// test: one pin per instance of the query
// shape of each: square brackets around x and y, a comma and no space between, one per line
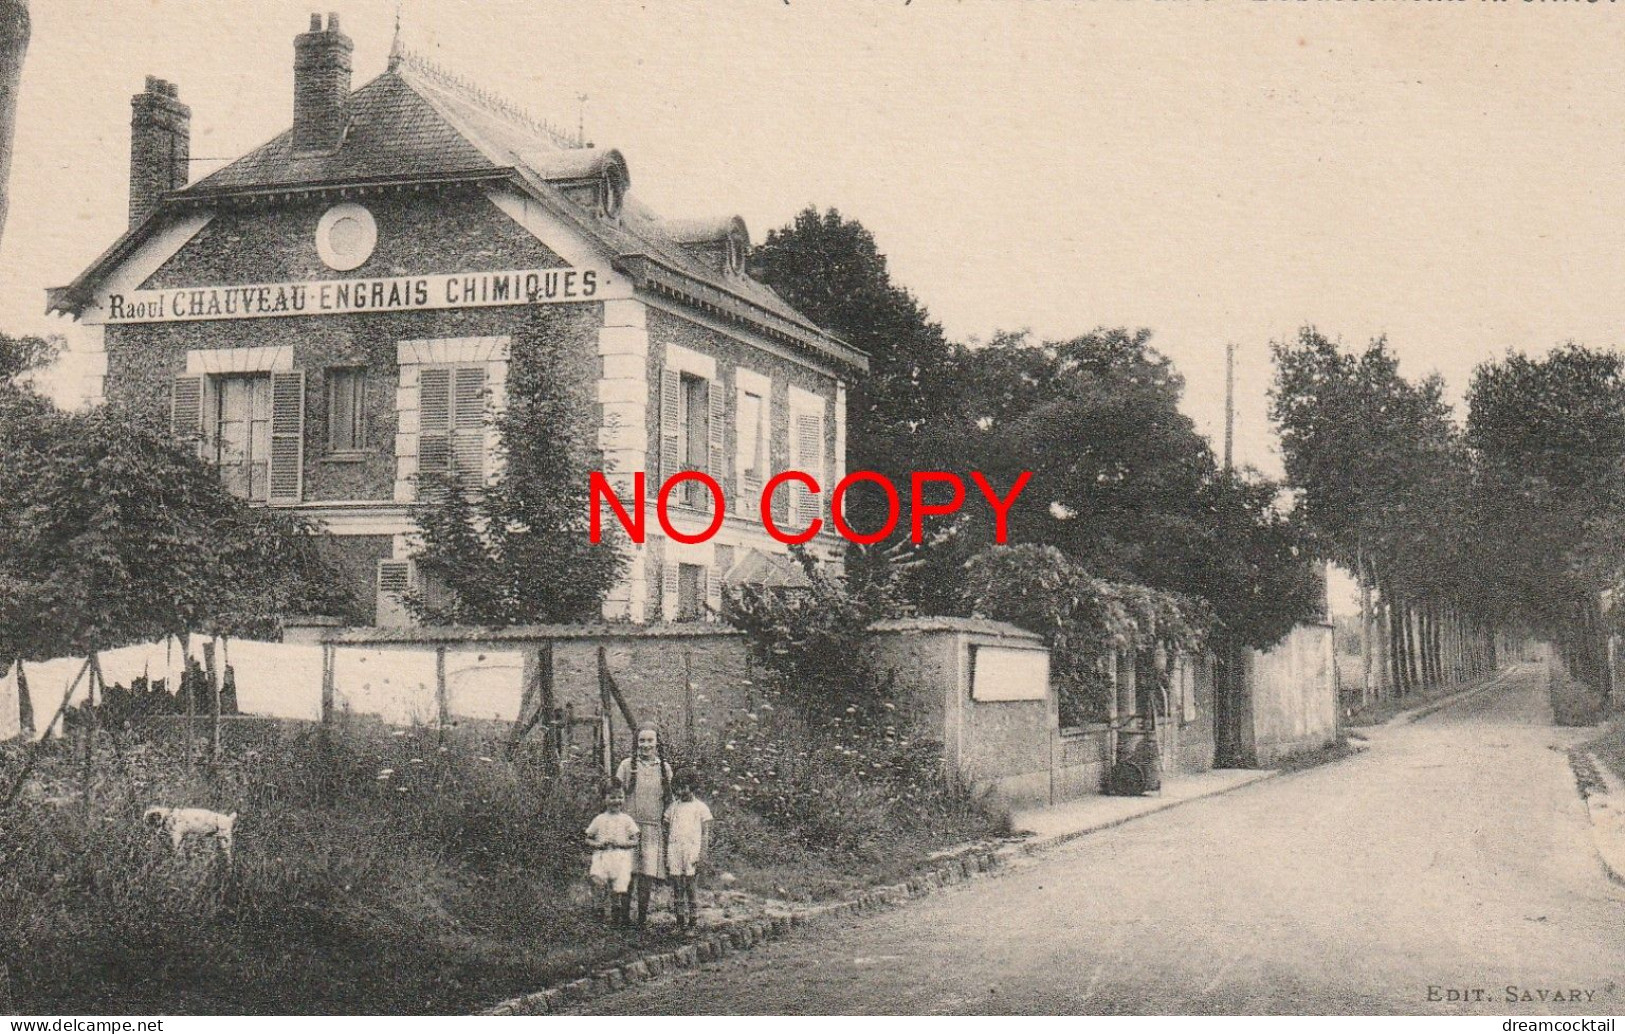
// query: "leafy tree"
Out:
[1550,436]
[518,552]
[1385,483]
[20,355]
[111,532]
[901,412]
[813,639]
[1122,484]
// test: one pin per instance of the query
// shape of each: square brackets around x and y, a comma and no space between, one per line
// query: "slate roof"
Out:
[394,132]
[418,122]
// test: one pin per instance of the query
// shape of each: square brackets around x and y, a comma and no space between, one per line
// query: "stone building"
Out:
[337,312]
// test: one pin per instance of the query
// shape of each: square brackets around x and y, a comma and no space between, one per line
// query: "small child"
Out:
[613,836]
[688,838]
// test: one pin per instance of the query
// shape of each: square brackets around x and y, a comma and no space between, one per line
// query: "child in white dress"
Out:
[613,837]
[688,831]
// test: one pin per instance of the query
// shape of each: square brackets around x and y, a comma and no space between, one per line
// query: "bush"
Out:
[1083,619]
[830,760]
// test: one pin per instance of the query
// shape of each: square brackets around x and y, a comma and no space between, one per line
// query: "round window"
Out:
[345,236]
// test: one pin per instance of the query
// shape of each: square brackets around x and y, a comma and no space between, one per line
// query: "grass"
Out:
[1573,702]
[1609,750]
[1381,711]
[376,872]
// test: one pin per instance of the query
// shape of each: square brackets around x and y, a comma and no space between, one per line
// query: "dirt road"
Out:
[1447,870]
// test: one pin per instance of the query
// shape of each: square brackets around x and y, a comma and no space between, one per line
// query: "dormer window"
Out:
[722,244]
[610,194]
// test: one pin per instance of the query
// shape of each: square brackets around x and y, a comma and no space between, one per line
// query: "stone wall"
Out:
[1005,749]
[1292,695]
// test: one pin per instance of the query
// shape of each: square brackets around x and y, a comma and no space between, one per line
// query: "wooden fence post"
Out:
[212,670]
[186,691]
[442,703]
[25,704]
[88,772]
[606,712]
[34,747]
[688,698]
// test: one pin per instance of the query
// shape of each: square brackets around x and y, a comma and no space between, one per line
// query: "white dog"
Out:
[180,823]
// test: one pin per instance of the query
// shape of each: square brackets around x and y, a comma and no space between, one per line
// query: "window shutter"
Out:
[434,421]
[670,594]
[468,430]
[395,579]
[713,593]
[287,436]
[186,410]
[809,459]
[671,425]
[718,403]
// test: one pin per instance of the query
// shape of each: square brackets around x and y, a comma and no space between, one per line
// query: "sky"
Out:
[1446,173]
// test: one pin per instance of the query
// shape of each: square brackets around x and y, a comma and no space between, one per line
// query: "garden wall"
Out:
[1292,698]
[691,679]
[984,686]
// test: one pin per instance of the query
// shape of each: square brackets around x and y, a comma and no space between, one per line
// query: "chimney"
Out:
[160,146]
[321,88]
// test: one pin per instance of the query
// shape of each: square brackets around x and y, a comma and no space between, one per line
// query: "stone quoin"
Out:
[338,312]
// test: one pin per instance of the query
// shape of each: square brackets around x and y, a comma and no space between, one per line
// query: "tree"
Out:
[21,355]
[898,414]
[1550,435]
[1385,484]
[15,30]
[111,533]
[1122,483]
[517,551]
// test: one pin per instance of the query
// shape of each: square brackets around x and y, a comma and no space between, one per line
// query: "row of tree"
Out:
[1455,532]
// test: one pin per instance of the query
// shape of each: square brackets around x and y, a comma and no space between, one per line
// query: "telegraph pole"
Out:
[1229,405]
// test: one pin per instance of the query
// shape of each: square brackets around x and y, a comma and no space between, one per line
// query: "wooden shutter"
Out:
[809,459]
[671,425]
[287,469]
[186,410]
[468,426]
[670,594]
[395,579]
[718,454]
[713,593]
[434,421]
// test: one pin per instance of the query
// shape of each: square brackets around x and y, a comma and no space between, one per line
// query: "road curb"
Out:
[1038,846]
[1605,811]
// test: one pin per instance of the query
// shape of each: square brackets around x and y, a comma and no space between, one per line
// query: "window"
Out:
[694,419]
[693,411]
[346,409]
[250,423]
[753,457]
[451,423]
[690,592]
[241,434]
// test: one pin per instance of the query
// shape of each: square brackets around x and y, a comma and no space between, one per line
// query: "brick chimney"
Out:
[321,88]
[160,146]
